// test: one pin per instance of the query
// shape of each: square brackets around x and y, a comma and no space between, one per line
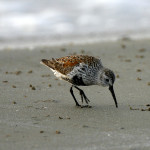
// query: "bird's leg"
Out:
[83,96]
[71,91]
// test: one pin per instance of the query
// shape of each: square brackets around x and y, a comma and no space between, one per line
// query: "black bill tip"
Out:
[113,95]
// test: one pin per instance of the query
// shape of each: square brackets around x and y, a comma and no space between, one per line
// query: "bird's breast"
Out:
[77,80]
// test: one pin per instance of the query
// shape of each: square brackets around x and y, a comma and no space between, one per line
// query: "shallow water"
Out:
[50,19]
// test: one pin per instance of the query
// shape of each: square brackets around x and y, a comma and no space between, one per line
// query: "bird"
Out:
[82,70]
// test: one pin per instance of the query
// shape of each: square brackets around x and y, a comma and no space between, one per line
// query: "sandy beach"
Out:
[38,112]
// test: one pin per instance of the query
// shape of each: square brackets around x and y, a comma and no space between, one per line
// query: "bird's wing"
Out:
[66,64]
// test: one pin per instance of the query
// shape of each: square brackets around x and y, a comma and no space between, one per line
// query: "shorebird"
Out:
[82,70]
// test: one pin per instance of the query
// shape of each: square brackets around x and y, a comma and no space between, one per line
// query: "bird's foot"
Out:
[83,98]
[85,106]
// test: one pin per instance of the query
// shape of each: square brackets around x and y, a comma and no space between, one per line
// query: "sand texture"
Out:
[37,111]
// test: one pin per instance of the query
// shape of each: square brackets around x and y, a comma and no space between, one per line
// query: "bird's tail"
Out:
[47,63]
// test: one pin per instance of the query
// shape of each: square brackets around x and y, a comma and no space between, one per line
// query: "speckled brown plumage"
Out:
[66,64]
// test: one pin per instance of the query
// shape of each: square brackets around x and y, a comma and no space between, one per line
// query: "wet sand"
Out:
[38,112]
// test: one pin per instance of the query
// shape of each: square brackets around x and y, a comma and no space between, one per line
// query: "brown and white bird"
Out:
[82,70]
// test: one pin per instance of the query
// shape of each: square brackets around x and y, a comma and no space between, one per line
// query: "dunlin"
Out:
[82,70]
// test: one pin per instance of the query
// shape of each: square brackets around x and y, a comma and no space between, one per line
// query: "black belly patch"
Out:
[78,81]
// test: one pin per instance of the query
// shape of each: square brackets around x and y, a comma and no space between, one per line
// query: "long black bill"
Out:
[113,95]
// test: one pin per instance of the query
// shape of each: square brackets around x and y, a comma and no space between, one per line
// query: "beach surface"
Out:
[38,111]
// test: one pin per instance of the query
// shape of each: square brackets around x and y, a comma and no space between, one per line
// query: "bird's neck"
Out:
[99,76]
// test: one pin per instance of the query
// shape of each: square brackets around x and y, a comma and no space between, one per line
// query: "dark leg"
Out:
[83,95]
[71,91]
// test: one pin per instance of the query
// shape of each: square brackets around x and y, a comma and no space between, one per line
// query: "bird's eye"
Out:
[107,80]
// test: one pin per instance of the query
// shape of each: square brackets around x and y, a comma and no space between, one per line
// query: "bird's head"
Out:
[107,78]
